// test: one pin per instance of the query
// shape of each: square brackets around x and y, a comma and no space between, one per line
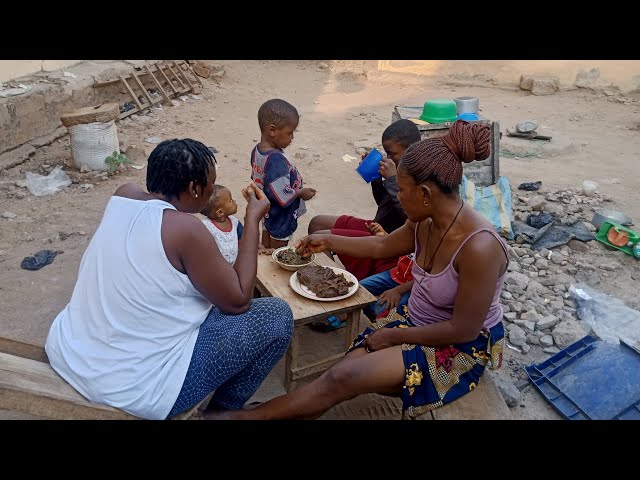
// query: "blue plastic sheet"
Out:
[493,202]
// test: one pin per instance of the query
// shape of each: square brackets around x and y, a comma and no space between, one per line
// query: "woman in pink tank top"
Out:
[453,329]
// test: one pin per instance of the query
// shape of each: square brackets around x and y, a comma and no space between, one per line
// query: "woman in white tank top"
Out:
[158,319]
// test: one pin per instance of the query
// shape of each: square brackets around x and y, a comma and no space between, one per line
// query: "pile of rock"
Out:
[537,306]
[568,206]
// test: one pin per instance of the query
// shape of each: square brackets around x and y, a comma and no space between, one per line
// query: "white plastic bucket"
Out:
[92,143]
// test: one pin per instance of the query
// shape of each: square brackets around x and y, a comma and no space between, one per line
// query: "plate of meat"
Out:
[325,284]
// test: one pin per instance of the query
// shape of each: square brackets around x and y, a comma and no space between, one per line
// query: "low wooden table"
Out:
[273,281]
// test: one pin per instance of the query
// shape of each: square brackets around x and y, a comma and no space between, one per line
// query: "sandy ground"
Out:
[595,138]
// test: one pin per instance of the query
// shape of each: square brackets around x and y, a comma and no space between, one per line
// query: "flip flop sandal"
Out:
[327,325]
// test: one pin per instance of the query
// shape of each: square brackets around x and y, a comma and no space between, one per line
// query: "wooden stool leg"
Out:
[291,359]
[353,327]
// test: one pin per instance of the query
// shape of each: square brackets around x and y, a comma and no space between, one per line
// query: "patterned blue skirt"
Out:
[436,376]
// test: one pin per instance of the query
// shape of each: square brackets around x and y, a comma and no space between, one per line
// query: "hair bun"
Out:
[468,142]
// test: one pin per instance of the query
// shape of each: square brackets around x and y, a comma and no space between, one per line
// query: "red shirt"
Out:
[402,273]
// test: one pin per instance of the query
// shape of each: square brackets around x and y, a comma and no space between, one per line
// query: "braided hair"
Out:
[175,163]
[439,160]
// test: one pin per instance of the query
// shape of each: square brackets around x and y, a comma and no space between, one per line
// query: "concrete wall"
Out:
[623,74]
[10,69]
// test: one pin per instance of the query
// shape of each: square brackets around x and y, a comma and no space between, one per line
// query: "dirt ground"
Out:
[595,138]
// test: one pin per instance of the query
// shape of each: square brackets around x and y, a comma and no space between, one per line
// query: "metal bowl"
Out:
[467,104]
[602,215]
[290,268]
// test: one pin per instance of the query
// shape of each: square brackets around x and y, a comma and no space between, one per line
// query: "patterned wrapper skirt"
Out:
[436,376]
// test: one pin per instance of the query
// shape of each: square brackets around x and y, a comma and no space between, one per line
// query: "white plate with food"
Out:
[323,288]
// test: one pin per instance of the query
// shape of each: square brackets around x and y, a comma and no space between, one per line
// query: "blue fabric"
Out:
[240,229]
[436,376]
[376,285]
[234,354]
[493,202]
[281,221]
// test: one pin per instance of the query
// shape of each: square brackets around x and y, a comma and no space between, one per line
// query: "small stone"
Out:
[81,232]
[507,389]
[506,295]
[525,348]
[21,183]
[530,315]
[528,261]
[542,264]
[323,65]
[609,267]
[510,316]
[517,336]
[514,267]
[567,332]
[589,278]
[547,322]
[517,279]
[551,350]
[521,252]
[546,341]
[578,246]
[557,258]
[9,215]
[533,339]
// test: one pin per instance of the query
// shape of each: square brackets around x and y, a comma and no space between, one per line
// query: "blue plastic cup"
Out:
[369,168]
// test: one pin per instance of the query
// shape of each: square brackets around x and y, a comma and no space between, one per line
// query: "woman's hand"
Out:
[391,298]
[258,203]
[316,243]
[381,339]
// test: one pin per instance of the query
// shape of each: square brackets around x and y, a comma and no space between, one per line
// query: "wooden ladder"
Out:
[175,74]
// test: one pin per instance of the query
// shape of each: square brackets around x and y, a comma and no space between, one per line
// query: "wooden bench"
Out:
[483,403]
[29,385]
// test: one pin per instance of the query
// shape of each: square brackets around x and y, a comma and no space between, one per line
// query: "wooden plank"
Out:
[352,328]
[182,85]
[316,367]
[22,349]
[35,388]
[189,69]
[184,75]
[133,95]
[193,410]
[495,150]
[160,69]
[144,90]
[272,280]
[291,359]
[483,403]
[128,113]
[159,85]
